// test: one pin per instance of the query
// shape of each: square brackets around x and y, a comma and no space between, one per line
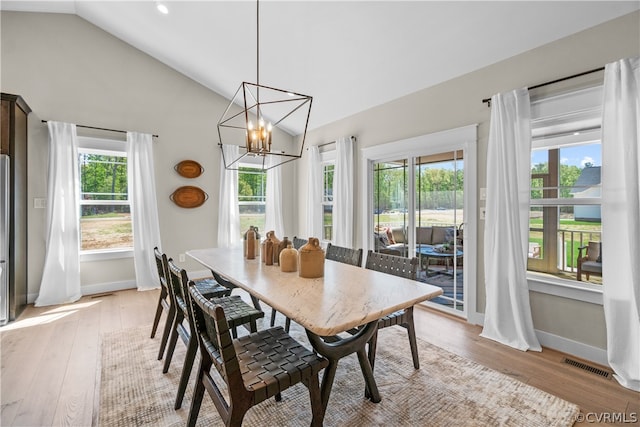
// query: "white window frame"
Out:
[263,202]
[107,147]
[327,157]
[563,114]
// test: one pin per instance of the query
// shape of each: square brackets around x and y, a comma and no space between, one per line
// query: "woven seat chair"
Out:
[344,255]
[208,286]
[238,313]
[228,284]
[297,244]
[164,302]
[254,367]
[402,267]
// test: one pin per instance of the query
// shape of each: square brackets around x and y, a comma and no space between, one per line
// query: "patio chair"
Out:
[238,313]
[590,260]
[254,367]
[402,267]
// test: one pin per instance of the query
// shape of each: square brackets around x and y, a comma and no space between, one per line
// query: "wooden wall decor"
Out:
[189,196]
[189,169]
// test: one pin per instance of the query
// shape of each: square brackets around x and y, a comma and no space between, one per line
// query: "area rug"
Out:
[447,390]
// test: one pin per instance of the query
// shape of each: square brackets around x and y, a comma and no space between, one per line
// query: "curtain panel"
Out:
[144,208]
[314,195]
[343,193]
[273,208]
[620,223]
[228,211]
[61,273]
[508,312]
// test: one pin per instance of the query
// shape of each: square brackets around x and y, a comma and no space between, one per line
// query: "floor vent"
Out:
[101,295]
[588,368]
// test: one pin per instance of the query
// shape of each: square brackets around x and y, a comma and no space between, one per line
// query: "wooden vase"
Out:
[311,258]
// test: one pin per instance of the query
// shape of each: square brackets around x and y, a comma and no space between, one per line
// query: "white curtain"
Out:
[228,211]
[343,197]
[620,217]
[508,312]
[273,208]
[144,208]
[314,195]
[61,274]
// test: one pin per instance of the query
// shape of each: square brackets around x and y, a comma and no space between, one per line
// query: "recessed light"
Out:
[576,133]
[162,8]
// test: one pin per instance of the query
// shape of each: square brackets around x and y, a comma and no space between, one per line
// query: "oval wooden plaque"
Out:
[189,197]
[189,169]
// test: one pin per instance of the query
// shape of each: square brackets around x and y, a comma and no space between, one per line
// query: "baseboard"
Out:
[576,348]
[556,342]
[97,288]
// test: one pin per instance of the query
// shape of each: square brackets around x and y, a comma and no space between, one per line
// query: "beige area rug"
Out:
[447,390]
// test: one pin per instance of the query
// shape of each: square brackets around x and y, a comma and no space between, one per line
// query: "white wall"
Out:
[458,103]
[66,69]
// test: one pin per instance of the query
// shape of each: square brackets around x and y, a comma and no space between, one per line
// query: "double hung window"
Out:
[105,212]
[252,184]
[566,169]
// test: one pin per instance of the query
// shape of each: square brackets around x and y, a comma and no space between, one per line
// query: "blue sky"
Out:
[573,156]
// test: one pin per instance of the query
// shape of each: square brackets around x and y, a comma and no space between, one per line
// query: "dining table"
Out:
[346,298]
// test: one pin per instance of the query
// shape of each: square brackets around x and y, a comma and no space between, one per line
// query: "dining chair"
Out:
[254,367]
[298,242]
[163,299]
[402,267]
[208,286]
[344,255]
[238,313]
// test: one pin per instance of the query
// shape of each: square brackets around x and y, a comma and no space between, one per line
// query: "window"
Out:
[105,213]
[327,201]
[566,165]
[252,184]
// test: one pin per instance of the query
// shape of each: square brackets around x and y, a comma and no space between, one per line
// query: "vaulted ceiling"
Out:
[350,56]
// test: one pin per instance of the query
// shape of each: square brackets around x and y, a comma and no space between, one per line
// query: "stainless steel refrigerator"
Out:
[4,239]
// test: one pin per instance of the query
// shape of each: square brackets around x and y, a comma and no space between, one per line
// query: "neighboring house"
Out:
[587,185]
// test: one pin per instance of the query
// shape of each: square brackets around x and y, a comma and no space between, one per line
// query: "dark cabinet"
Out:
[13,140]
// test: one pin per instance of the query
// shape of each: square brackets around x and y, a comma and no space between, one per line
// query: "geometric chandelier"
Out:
[263,122]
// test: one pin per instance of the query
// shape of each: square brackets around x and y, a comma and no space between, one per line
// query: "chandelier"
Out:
[268,125]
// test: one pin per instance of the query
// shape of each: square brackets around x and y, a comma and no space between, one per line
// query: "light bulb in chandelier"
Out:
[259,140]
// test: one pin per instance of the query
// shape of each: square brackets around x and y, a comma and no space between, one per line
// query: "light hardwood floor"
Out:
[50,359]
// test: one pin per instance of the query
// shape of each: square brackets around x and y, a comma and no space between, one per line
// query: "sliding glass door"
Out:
[416,207]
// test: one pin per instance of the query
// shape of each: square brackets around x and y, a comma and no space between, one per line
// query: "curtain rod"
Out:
[96,128]
[330,142]
[595,70]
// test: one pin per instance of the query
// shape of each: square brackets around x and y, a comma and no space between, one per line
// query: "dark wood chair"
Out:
[208,286]
[402,267]
[238,313]
[254,367]
[163,300]
[298,242]
[344,255]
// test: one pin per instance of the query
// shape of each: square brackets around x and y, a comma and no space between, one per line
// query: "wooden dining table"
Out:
[345,298]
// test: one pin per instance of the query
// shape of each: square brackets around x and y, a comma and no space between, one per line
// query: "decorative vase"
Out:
[288,259]
[250,243]
[281,246]
[311,259]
